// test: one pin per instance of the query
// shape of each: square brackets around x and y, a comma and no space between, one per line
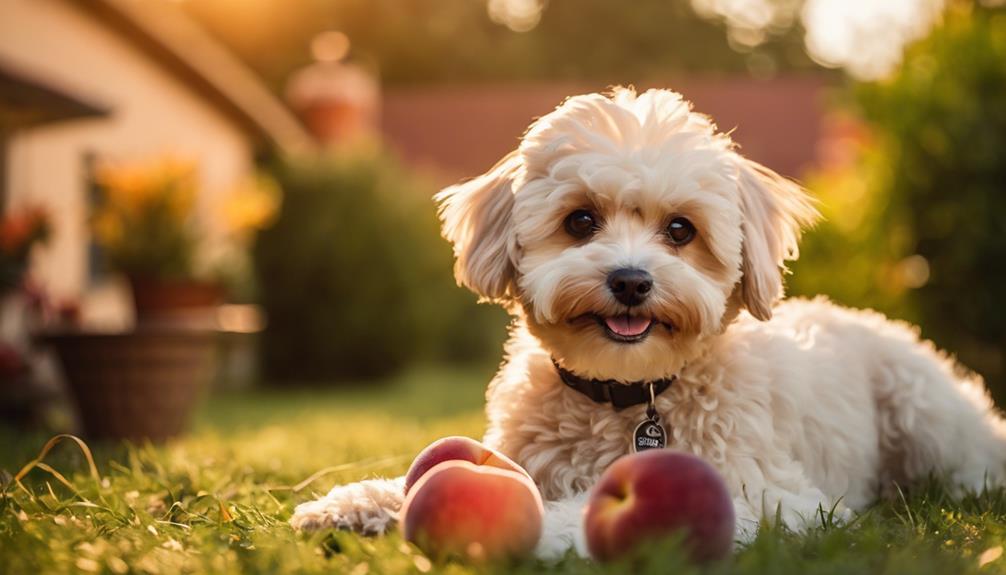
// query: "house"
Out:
[85,81]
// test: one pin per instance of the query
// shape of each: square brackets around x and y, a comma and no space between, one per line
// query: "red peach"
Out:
[459,509]
[654,494]
[456,448]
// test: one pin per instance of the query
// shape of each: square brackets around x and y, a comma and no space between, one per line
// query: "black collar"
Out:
[620,395]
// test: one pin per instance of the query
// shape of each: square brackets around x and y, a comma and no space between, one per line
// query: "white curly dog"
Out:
[633,244]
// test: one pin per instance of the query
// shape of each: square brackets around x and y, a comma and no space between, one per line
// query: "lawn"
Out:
[218,500]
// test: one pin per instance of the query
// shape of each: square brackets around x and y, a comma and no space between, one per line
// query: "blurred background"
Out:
[229,194]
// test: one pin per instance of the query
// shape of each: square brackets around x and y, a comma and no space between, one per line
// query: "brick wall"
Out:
[460,131]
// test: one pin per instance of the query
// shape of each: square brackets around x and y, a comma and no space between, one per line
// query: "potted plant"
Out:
[144,223]
[22,399]
[144,383]
[19,233]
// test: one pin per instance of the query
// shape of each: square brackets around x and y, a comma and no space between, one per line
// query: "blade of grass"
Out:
[53,442]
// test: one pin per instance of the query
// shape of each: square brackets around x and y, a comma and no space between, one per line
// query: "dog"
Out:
[642,257]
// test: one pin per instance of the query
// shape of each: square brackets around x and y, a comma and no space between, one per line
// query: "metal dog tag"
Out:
[649,435]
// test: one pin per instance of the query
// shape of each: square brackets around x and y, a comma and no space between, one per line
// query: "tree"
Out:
[931,245]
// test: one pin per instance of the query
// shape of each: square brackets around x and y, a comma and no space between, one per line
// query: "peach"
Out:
[459,509]
[456,448]
[656,493]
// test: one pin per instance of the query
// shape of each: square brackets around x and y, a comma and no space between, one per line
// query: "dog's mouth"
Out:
[626,328]
[622,328]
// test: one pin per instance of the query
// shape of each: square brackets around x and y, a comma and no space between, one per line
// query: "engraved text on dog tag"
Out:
[649,435]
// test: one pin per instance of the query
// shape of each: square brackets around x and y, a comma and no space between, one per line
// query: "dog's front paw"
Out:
[562,528]
[368,507]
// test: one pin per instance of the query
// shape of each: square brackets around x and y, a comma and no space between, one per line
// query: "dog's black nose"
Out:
[630,286]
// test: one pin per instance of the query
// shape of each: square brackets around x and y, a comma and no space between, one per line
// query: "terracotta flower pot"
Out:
[139,385]
[155,297]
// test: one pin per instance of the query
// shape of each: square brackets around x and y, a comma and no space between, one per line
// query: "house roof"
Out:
[27,101]
[184,48]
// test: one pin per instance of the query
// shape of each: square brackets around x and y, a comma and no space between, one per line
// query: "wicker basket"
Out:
[136,386]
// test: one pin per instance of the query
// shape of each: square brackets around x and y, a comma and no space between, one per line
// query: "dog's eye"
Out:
[581,224]
[680,231]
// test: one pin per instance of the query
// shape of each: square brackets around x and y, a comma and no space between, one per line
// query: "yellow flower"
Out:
[252,205]
[124,186]
[137,187]
[157,196]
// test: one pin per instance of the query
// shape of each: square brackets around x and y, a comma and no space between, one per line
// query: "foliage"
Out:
[218,501]
[437,41]
[354,277]
[146,221]
[916,225]
[20,232]
[143,217]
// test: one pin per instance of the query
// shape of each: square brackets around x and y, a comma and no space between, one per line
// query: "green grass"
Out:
[218,500]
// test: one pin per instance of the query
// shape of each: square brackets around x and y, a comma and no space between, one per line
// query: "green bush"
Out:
[354,277]
[917,228]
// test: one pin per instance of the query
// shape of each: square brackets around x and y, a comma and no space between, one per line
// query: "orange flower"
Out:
[18,231]
[134,188]
[136,195]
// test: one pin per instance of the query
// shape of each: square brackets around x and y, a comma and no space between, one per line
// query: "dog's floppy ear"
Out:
[476,218]
[775,210]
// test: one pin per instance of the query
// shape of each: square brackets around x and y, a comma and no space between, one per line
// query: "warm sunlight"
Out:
[502,286]
[866,37]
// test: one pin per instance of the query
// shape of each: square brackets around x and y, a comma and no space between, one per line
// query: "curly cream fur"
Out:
[801,405]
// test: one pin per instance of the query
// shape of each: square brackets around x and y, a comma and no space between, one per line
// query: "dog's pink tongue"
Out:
[627,325]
